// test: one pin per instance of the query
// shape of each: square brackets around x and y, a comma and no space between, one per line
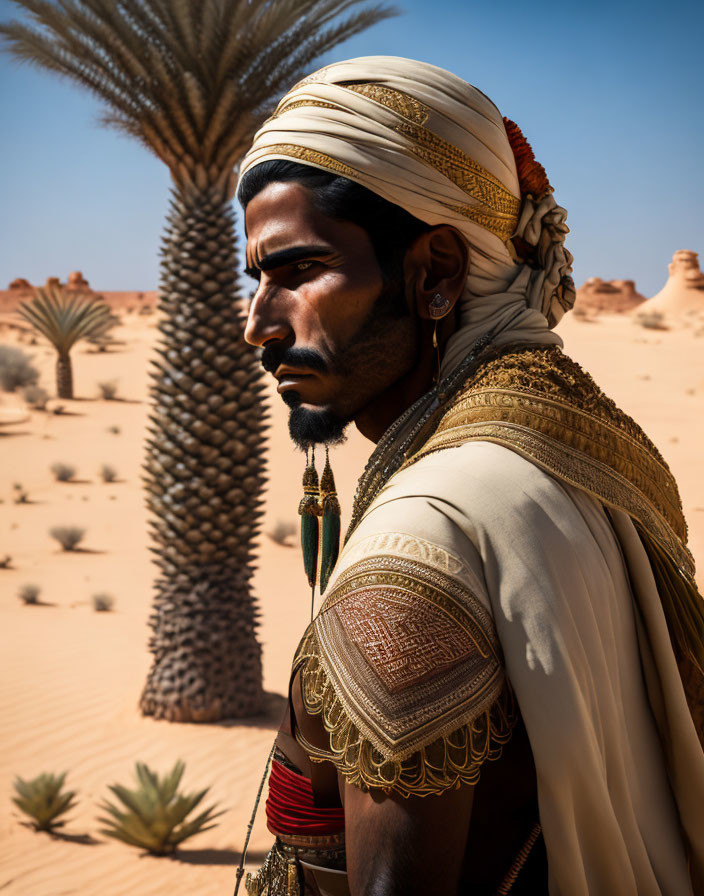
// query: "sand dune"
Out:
[71,678]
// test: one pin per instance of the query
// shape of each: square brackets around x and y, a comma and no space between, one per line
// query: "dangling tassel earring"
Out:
[310,510]
[436,375]
[331,523]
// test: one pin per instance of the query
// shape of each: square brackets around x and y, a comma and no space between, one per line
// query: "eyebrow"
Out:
[286,256]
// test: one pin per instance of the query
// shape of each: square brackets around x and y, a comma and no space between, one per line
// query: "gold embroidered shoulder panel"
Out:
[404,665]
[541,404]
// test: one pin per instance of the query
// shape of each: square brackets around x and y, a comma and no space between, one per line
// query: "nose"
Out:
[266,319]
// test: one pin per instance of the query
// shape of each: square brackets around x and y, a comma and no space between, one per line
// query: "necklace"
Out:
[399,442]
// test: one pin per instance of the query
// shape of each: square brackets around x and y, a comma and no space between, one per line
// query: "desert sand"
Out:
[71,677]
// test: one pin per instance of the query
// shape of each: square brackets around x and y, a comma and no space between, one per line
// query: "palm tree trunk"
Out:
[64,377]
[204,473]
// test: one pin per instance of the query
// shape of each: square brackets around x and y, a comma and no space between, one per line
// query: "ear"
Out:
[437,262]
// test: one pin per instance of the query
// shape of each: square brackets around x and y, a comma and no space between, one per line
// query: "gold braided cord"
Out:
[452,759]
[497,208]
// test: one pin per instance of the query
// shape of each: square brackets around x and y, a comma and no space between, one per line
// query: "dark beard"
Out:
[309,426]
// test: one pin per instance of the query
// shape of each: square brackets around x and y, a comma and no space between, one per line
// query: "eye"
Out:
[303,265]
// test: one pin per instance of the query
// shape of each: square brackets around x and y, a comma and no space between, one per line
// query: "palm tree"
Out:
[64,319]
[192,80]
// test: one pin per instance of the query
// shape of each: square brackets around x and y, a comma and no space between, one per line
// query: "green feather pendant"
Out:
[331,524]
[310,510]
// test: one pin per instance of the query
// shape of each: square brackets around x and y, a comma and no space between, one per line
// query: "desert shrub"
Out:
[108,473]
[69,537]
[6,562]
[154,814]
[282,531]
[21,496]
[36,397]
[103,603]
[652,320]
[29,594]
[63,472]
[108,390]
[16,369]
[44,800]
[115,430]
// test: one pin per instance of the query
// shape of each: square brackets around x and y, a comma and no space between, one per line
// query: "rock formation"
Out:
[76,280]
[683,294]
[597,296]
[20,283]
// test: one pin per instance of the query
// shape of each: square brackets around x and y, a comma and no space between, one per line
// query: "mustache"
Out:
[273,356]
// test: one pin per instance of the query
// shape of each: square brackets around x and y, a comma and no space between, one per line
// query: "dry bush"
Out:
[36,397]
[63,472]
[6,562]
[108,390]
[21,496]
[115,430]
[29,594]
[108,473]
[16,369]
[69,537]
[103,603]
[652,320]
[282,531]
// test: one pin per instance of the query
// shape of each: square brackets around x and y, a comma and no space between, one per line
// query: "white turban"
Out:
[427,141]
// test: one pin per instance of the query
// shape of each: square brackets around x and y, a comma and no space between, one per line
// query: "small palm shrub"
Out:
[64,318]
[29,594]
[108,473]
[16,370]
[103,603]
[44,800]
[63,472]
[36,397]
[69,537]
[108,390]
[153,816]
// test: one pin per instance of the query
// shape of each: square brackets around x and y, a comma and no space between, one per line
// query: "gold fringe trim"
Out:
[451,760]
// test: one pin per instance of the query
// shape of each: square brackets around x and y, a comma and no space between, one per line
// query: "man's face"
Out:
[334,335]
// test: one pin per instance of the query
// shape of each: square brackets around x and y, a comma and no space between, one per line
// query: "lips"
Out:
[292,381]
[288,377]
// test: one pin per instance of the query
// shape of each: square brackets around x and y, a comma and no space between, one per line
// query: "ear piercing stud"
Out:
[439,306]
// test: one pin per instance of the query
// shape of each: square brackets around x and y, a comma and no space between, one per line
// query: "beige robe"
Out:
[586,652]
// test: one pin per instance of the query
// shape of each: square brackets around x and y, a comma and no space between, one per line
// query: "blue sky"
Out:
[608,94]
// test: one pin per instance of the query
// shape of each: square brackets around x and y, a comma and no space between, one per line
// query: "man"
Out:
[491,697]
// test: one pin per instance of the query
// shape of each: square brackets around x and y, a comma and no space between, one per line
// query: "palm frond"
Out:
[190,79]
